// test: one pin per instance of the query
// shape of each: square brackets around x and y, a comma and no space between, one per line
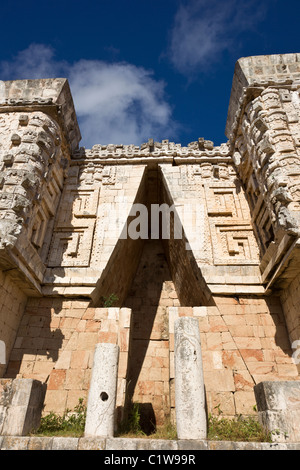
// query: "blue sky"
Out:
[141,69]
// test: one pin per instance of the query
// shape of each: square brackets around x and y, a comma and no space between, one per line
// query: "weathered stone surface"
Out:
[192,445]
[65,443]
[191,418]
[40,443]
[118,444]
[103,391]
[160,444]
[14,443]
[28,95]
[91,443]
[278,405]
[21,408]
[121,444]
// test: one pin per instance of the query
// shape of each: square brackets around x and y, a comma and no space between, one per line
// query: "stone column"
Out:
[189,383]
[103,391]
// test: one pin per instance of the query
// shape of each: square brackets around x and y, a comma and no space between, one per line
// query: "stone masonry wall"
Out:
[55,344]
[244,341]
[151,293]
[12,305]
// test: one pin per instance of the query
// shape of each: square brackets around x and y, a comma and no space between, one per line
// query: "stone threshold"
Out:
[132,444]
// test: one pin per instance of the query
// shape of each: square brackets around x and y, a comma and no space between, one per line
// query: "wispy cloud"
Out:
[204,29]
[115,102]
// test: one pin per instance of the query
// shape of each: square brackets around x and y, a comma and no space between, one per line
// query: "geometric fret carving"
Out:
[223,200]
[85,203]
[71,246]
[72,238]
[234,242]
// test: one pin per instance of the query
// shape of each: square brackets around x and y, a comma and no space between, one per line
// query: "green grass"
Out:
[240,428]
[166,431]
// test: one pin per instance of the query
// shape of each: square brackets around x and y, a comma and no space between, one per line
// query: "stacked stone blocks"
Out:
[55,344]
[239,350]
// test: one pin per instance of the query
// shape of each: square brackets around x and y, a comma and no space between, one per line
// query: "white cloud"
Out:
[37,61]
[115,102]
[121,101]
[204,29]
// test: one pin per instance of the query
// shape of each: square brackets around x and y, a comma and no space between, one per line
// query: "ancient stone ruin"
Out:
[185,260]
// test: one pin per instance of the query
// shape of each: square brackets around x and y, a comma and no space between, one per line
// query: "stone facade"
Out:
[67,245]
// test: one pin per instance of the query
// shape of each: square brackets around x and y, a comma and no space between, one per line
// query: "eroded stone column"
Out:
[189,383]
[103,391]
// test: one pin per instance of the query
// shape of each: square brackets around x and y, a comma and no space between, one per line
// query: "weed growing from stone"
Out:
[109,300]
[166,431]
[131,427]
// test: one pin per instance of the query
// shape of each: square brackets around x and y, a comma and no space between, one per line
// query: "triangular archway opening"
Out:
[167,276]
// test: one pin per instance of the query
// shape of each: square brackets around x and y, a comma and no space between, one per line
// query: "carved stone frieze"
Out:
[29,167]
[263,128]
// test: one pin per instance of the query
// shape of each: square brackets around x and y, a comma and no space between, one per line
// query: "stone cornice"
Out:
[156,152]
[52,96]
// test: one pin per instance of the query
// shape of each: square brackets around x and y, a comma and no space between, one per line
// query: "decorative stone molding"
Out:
[200,150]
[263,131]
[38,130]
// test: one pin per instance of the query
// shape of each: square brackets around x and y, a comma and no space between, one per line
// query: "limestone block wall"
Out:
[55,345]
[36,139]
[244,341]
[235,266]
[220,249]
[12,305]
[149,297]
